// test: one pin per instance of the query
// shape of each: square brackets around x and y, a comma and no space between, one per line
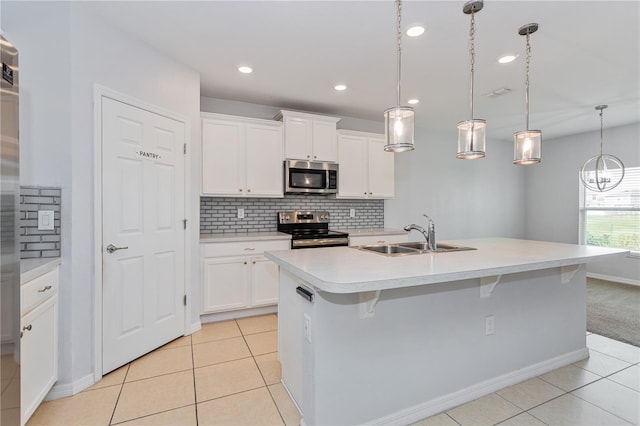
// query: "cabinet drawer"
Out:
[38,290]
[242,248]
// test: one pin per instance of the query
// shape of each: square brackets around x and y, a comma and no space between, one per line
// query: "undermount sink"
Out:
[441,247]
[390,249]
[402,249]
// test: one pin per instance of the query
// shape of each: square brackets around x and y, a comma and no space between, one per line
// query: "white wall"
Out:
[465,198]
[66,50]
[552,189]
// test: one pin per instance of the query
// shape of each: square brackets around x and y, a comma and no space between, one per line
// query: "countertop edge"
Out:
[33,268]
[243,236]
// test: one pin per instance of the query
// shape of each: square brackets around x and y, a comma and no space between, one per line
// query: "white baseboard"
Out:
[242,313]
[438,405]
[63,390]
[195,327]
[614,279]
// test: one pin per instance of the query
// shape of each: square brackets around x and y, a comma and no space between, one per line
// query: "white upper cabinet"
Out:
[241,157]
[309,137]
[366,170]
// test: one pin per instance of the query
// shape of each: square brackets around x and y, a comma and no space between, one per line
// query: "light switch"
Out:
[45,220]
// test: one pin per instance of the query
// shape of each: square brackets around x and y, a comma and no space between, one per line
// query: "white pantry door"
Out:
[143,234]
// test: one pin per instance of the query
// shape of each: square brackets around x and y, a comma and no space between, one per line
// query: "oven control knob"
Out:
[287,217]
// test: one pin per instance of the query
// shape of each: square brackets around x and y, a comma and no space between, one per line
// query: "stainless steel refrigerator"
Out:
[9,234]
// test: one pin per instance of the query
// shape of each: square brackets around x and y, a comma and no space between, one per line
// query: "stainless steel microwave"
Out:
[310,177]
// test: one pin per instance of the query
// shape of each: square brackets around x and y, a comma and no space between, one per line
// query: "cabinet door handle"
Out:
[315,156]
[249,249]
[254,262]
[245,263]
[371,193]
[44,289]
[240,189]
[248,190]
[308,156]
[27,328]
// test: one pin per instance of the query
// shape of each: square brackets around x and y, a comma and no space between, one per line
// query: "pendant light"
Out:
[602,172]
[526,144]
[471,133]
[398,121]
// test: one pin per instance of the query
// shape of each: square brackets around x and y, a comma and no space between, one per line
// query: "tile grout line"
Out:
[115,406]
[262,375]
[193,372]
[149,415]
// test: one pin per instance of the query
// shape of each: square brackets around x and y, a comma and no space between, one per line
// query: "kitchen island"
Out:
[371,339]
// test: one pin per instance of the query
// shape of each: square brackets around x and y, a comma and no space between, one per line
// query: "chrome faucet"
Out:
[429,234]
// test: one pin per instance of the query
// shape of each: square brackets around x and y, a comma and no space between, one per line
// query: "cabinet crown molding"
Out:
[239,119]
[296,114]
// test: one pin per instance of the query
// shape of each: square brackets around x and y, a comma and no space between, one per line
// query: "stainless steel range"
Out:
[310,229]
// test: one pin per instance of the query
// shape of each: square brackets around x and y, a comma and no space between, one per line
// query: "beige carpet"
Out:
[613,310]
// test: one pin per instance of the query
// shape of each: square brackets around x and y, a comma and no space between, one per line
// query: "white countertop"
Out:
[349,270]
[243,236]
[372,232]
[33,268]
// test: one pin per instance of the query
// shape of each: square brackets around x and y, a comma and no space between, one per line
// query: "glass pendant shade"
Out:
[399,129]
[471,137]
[527,147]
[602,172]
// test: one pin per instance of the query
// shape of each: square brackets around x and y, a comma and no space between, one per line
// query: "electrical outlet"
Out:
[307,328]
[352,213]
[489,325]
[45,220]
[240,213]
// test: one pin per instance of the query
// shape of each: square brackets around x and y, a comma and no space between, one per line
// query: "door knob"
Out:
[111,248]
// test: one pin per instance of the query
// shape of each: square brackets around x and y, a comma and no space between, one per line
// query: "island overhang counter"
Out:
[370,339]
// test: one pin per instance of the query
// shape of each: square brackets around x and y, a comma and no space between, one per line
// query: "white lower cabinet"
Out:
[39,341]
[237,276]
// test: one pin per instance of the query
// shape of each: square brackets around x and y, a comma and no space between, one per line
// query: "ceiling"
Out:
[584,54]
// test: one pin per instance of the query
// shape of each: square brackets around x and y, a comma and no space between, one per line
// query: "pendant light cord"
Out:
[526,96]
[601,126]
[472,53]
[399,36]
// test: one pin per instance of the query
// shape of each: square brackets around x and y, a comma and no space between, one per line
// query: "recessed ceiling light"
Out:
[413,101]
[415,31]
[507,58]
[340,87]
[245,70]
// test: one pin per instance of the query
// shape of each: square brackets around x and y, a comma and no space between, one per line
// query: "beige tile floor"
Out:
[228,374]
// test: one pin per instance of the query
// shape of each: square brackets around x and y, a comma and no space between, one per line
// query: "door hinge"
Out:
[184,148]
[184,300]
[184,223]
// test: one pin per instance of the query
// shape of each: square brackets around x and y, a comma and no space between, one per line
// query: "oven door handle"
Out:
[319,242]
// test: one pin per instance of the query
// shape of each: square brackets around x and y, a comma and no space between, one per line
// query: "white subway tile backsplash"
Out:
[219,214]
[36,243]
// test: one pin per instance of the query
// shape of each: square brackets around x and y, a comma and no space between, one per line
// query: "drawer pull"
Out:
[27,328]
[249,249]
[44,289]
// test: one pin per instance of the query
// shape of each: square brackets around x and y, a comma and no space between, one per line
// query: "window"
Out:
[612,218]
